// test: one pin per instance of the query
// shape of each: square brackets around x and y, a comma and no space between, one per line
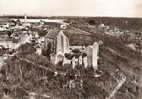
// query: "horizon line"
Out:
[20,15]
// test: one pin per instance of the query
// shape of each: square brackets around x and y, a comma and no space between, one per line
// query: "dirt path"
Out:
[121,82]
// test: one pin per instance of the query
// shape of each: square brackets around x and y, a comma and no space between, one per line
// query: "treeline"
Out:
[124,23]
[120,22]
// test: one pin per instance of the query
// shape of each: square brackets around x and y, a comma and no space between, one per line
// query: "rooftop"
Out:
[52,33]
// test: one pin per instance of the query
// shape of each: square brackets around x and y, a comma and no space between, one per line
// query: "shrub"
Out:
[69,56]
[26,49]
[76,51]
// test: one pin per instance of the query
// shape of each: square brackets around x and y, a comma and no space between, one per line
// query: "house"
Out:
[92,55]
[58,44]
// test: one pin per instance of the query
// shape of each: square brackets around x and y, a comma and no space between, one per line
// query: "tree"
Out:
[47,51]
[138,41]
[69,56]
[76,51]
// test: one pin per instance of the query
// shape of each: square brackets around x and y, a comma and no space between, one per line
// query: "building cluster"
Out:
[18,31]
[114,31]
[51,41]
[62,52]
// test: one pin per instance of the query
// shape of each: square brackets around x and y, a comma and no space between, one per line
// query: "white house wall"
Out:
[92,55]
[95,55]
[62,46]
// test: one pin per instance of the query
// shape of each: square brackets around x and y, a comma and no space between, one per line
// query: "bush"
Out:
[76,51]
[84,54]
[69,56]
[42,33]
[26,49]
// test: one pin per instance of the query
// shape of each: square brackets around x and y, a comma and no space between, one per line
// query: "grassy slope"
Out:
[113,53]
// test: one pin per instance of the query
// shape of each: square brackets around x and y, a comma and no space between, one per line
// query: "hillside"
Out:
[27,72]
[114,54]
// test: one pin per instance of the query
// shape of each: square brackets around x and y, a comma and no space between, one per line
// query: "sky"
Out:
[115,8]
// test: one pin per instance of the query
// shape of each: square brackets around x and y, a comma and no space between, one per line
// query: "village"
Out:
[59,59]
[55,42]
